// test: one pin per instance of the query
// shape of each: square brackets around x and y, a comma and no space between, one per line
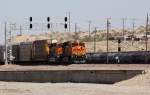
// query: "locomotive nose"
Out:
[79,51]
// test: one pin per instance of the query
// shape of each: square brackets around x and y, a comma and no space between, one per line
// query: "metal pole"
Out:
[108,23]
[20,30]
[123,28]
[6,61]
[69,22]
[146,39]
[89,29]
[10,47]
[133,25]
[95,39]
[75,27]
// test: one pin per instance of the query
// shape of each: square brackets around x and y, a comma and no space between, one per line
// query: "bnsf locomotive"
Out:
[72,52]
[49,51]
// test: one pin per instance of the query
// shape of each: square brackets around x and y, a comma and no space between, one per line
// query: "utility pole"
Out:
[133,30]
[146,39]
[20,30]
[95,39]
[123,28]
[51,25]
[9,47]
[69,22]
[89,29]
[75,27]
[6,61]
[108,28]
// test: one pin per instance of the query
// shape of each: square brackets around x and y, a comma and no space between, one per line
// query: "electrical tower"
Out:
[8,45]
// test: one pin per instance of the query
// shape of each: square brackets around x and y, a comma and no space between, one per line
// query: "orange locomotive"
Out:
[67,52]
[56,52]
[74,52]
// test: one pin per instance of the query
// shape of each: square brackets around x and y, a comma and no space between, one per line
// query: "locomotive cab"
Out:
[74,52]
[56,52]
[78,52]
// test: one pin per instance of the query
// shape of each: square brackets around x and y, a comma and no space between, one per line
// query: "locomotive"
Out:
[49,51]
[56,53]
[72,52]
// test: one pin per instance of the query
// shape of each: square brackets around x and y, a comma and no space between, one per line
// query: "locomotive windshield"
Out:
[75,44]
[78,44]
[82,44]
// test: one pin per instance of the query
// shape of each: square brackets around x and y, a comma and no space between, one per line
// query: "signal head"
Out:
[48,19]
[65,19]
[30,19]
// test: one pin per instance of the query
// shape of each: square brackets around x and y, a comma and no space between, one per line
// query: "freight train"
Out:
[70,52]
[48,51]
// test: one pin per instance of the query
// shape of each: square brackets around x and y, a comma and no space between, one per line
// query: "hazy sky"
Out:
[81,10]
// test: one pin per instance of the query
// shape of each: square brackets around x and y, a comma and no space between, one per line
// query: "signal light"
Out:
[65,26]
[65,19]
[30,22]
[119,49]
[119,41]
[48,19]
[30,26]
[48,25]
[30,19]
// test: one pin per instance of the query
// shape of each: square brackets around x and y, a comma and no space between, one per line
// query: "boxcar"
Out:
[15,52]
[25,52]
[40,50]
[1,54]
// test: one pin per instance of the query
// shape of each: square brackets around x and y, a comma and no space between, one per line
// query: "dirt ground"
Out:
[14,88]
[75,67]
[138,85]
